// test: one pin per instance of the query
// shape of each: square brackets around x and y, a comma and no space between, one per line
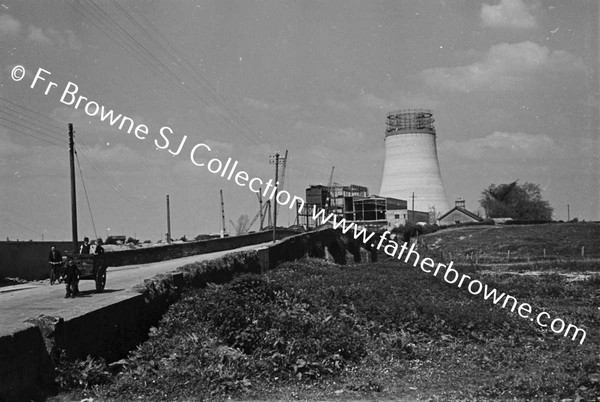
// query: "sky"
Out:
[513,85]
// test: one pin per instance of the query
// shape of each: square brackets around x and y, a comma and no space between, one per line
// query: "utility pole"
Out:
[568,213]
[73,193]
[413,206]
[222,216]
[168,220]
[260,211]
[276,190]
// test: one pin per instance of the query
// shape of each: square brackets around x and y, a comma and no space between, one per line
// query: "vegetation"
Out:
[410,230]
[315,330]
[523,243]
[517,201]
[131,240]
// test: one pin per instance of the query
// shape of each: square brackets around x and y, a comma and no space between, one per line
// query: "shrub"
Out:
[81,373]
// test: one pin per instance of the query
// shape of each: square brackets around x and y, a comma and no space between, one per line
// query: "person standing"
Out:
[85,247]
[99,249]
[55,259]
[71,279]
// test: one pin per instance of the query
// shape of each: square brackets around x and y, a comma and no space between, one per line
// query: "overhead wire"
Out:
[36,221]
[48,132]
[165,51]
[118,188]
[194,74]
[86,196]
[29,133]
[148,58]
[10,222]
[29,125]
[49,120]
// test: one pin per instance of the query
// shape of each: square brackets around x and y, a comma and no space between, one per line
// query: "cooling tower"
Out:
[411,162]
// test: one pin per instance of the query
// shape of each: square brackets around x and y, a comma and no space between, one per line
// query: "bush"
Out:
[82,374]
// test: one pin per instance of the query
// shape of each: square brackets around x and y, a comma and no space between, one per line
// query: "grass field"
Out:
[312,330]
[518,243]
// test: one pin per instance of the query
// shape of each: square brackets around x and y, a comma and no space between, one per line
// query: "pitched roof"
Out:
[464,211]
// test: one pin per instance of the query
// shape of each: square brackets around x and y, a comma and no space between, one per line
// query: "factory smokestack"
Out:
[411,163]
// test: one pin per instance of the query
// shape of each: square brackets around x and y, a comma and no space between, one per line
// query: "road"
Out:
[32,300]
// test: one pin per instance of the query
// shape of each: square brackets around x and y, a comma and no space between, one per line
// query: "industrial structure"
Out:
[354,204]
[411,167]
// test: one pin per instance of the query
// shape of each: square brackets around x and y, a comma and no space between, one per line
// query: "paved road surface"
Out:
[17,306]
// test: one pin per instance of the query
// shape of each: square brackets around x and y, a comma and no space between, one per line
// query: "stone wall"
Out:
[29,260]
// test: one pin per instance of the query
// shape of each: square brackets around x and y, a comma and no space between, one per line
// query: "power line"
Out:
[53,122]
[118,188]
[9,222]
[86,196]
[28,134]
[195,74]
[146,57]
[20,121]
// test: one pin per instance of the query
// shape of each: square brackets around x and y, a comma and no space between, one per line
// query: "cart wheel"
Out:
[100,280]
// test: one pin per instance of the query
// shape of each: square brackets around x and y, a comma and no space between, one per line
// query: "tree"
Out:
[518,201]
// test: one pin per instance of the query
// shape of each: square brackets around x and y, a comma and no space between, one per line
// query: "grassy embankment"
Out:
[314,330]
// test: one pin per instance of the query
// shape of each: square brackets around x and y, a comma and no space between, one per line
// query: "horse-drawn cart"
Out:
[90,266]
[93,267]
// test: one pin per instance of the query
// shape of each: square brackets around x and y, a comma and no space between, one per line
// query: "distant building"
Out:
[501,221]
[118,239]
[457,215]
[354,204]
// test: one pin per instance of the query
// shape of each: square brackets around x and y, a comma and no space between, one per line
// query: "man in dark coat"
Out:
[99,249]
[85,247]
[71,279]
[55,259]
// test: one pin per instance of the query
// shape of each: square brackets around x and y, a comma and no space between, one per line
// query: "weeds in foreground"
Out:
[317,331]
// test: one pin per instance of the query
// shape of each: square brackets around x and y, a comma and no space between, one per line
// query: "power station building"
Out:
[411,167]
[354,204]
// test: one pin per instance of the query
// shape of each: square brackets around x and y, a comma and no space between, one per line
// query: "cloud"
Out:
[589,148]
[256,104]
[399,100]
[504,67]
[9,25]
[275,107]
[337,105]
[508,14]
[52,37]
[372,101]
[503,145]
[37,35]
[7,147]
[350,135]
